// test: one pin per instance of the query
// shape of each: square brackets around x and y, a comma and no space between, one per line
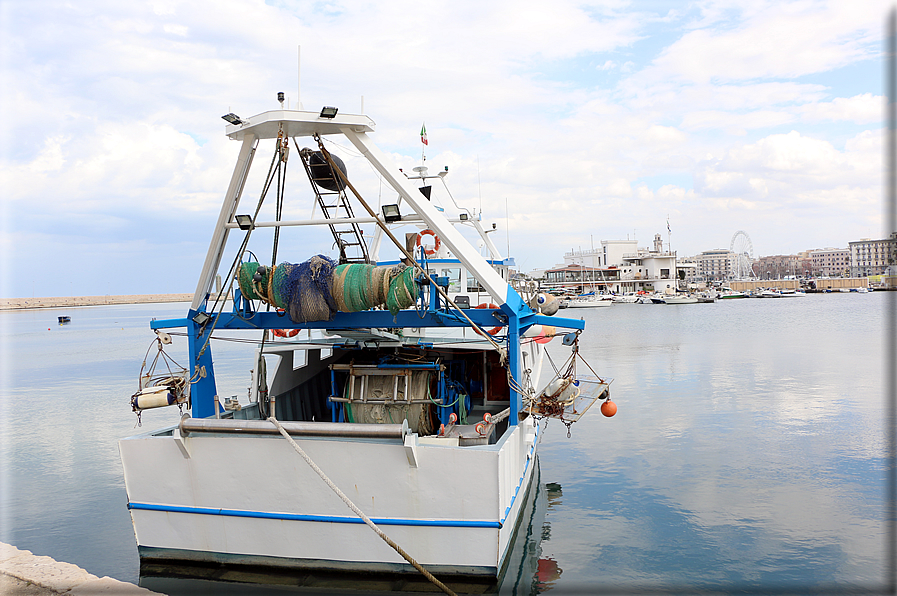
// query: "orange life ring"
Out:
[285,333]
[494,330]
[437,242]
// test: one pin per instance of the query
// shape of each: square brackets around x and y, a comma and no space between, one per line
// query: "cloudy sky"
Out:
[589,120]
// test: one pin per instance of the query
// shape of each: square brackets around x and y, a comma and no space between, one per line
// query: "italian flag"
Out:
[423,134]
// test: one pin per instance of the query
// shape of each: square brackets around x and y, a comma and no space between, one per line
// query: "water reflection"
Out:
[530,571]
[548,572]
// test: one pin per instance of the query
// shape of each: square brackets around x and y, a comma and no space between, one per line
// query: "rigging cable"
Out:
[401,247]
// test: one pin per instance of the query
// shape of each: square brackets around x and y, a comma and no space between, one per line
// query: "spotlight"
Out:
[233,119]
[244,221]
[391,213]
[328,112]
[201,318]
[280,98]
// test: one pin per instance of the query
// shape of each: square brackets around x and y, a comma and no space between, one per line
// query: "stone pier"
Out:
[25,574]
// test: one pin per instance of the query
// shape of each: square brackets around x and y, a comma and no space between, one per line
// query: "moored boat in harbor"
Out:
[729,294]
[681,299]
[410,386]
[588,301]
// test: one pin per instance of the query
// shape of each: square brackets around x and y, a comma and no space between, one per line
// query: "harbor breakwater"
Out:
[64,301]
[22,572]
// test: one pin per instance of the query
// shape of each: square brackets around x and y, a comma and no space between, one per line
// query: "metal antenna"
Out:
[299,77]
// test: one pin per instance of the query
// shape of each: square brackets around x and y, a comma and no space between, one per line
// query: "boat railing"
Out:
[352,430]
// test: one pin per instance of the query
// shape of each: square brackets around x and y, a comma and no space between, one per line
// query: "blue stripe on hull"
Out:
[444,523]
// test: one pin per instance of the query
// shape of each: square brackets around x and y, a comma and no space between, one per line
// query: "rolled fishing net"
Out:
[317,288]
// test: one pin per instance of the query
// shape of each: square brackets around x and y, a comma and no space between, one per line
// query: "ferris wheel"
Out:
[743,257]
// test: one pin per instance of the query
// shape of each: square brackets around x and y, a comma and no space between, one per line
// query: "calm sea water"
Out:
[748,453]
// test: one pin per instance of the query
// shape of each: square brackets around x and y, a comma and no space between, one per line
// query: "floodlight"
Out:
[232,119]
[463,217]
[244,221]
[391,213]
[201,318]
[328,112]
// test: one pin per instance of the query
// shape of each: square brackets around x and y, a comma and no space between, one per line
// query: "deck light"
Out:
[244,221]
[328,112]
[232,119]
[201,318]
[391,213]
[463,217]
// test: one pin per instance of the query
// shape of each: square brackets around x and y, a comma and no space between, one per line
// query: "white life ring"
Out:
[437,241]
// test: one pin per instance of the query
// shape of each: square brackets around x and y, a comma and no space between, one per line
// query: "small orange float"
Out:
[608,408]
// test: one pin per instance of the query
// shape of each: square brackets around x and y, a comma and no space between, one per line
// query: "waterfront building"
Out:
[829,262]
[577,279]
[618,266]
[780,267]
[872,257]
[715,265]
[587,258]
[687,269]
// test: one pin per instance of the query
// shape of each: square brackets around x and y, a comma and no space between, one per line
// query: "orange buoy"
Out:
[608,408]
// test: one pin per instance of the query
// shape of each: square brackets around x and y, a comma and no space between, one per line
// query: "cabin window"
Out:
[454,276]
[472,284]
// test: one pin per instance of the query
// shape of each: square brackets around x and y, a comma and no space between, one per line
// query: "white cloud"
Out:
[860,109]
[116,109]
[179,30]
[775,39]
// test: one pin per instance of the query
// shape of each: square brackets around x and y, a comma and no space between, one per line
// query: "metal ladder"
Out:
[335,206]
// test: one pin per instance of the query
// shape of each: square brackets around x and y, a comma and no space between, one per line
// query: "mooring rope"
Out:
[358,511]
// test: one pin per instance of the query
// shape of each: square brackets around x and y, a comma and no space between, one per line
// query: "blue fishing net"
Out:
[305,290]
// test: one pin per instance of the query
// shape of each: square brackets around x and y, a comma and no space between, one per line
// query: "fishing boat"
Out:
[395,404]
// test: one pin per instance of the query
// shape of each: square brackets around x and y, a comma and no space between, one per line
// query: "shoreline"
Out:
[22,572]
[71,301]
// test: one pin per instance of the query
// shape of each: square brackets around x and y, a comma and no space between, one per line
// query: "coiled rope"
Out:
[358,511]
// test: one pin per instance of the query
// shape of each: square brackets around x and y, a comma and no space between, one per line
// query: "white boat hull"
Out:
[681,300]
[588,303]
[253,500]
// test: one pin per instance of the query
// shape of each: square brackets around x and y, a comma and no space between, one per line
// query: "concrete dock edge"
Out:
[27,574]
